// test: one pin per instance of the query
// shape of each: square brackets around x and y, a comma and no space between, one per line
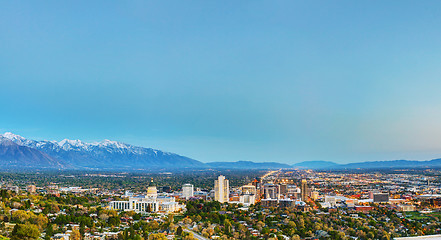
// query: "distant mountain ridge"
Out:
[434,163]
[17,152]
[14,156]
[248,165]
[315,165]
[392,164]
[103,155]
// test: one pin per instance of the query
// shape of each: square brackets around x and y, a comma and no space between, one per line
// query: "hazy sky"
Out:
[283,81]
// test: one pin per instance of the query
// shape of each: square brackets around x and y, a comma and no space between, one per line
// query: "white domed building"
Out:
[148,203]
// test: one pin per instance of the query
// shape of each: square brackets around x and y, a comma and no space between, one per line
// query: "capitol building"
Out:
[148,203]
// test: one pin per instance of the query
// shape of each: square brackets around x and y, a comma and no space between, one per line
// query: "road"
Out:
[269,174]
[197,236]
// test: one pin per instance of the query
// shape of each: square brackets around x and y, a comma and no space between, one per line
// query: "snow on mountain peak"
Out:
[12,136]
[76,143]
[68,144]
[73,145]
[16,138]
[109,143]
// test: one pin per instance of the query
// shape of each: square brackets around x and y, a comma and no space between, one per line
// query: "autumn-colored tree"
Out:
[75,235]
[157,236]
[25,232]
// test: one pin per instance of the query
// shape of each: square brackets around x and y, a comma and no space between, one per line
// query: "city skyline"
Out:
[290,81]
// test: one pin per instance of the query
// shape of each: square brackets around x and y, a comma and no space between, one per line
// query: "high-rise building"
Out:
[270,191]
[221,189]
[283,188]
[247,199]
[304,190]
[248,195]
[293,192]
[249,189]
[256,182]
[314,195]
[187,191]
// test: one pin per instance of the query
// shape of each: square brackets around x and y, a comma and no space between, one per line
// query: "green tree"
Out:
[82,229]
[49,232]
[227,226]
[25,232]
[179,231]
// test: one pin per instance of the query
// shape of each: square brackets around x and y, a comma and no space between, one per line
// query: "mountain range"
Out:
[248,165]
[392,164]
[17,152]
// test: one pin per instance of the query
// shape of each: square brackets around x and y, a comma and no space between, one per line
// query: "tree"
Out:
[82,229]
[20,216]
[25,232]
[75,235]
[227,226]
[187,220]
[157,236]
[341,235]
[40,221]
[179,231]
[260,225]
[189,236]
[49,232]
[295,237]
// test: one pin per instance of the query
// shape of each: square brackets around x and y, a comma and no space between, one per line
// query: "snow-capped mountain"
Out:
[106,154]
[14,156]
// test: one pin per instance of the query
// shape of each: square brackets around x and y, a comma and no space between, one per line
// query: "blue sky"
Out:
[285,81]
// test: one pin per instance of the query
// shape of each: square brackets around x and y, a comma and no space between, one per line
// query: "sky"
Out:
[285,81]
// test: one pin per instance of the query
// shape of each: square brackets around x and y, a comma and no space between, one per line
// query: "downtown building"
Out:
[187,191]
[248,195]
[304,190]
[148,203]
[221,189]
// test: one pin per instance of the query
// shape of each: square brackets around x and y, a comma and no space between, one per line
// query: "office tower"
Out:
[256,182]
[304,190]
[247,199]
[270,191]
[314,195]
[293,192]
[248,189]
[187,191]
[221,189]
[283,188]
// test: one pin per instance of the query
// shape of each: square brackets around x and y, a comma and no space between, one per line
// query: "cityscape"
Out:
[274,204]
[220,120]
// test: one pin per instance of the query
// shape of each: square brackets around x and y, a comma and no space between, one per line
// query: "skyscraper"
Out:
[304,190]
[221,189]
[271,191]
[187,191]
